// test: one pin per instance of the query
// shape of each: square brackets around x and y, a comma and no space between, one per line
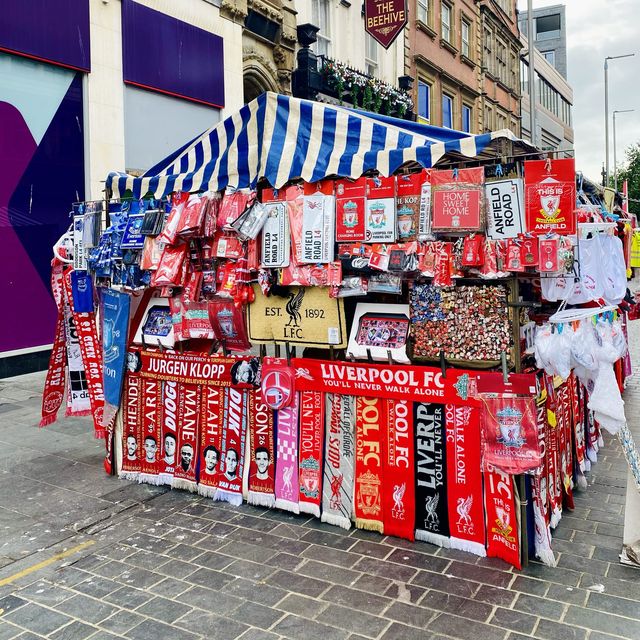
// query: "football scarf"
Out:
[131,428]
[287,487]
[184,476]
[398,491]
[151,431]
[553,458]
[371,430]
[566,456]
[337,493]
[78,403]
[503,540]
[432,517]
[261,451]
[168,445]
[234,431]
[310,451]
[211,419]
[578,430]
[464,479]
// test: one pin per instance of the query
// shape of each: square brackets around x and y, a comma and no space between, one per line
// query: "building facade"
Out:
[550,34]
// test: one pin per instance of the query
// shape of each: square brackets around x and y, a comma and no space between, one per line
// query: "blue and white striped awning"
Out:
[281,138]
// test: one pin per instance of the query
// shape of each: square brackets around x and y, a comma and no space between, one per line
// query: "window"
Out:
[465,38]
[501,61]
[371,55]
[424,15]
[501,121]
[548,27]
[487,60]
[445,20]
[320,17]
[524,76]
[466,118]
[424,100]
[513,71]
[488,118]
[550,57]
[447,111]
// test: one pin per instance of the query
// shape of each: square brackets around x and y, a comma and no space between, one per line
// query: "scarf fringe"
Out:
[369,525]
[335,520]
[310,508]
[47,420]
[555,518]
[287,505]
[582,482]
[259,499]
[100,434]
[206,491]
[82,413]
[183,483]
[468,545]
[131,476]
[546,556]
[592,454]
[222,495]
[433,538]
[165,478]
[149,478]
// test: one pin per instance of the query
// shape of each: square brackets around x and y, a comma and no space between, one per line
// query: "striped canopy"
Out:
[281,138]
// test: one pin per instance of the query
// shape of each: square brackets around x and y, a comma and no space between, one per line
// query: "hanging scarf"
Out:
[168,445]
[566,455]
[234,432]
[310,451]
[78,402]
[432,518]
[553,457]
[398,491]
[287,487]
[578,431]
[211,420]
[464,480]
[502,517]
[337,494]
[261,444]
[186,455]
[151,432]
[131,428]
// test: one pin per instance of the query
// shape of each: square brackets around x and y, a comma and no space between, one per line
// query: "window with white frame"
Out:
[424,100]
[466,118]
[445,21]
[371,55]
[501,61]
[447,111]
[423,11]
[550,57]
[465,38]
[487,52]
[321,18]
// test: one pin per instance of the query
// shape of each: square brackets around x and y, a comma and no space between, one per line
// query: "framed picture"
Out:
[156,327]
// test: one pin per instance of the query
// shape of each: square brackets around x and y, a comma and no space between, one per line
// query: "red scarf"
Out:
[464,480]
[553,458]
[310,451]
[131,428]
[371,430]
[287,486]
[261,443]
[212,413]
[169,421]
[184,476]
[566,455]
[398,492]
[151,432]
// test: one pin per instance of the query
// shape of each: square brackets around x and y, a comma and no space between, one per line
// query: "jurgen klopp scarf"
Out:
[184,476]
[310,451]
[464,480]
[132,428]
[432,516]
[398,491]
[261,440]
[234,432]
[168,445]
[151,432]
[337,494]
[371,432]
[287,488]
[212,413]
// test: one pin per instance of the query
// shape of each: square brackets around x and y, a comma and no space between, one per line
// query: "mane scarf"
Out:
[261,446]
[312,406]
[211,420]
[287,487]
[184,475]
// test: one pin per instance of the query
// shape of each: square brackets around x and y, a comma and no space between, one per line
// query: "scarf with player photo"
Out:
[554,486]
[261,448]
[287,457]
[337,493]
[578,431]
[168,445]
[211,420]
[371,430]
[464,480]
[310,451]
[566,449]
[132,429]
[151,431]
[432,516]
[398,491]
[234,432]
[189,398]
[502,517]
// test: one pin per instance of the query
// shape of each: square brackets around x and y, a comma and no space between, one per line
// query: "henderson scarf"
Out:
[398,490]
[261,451]
[184,475]
[168,445]
[211,419]
[131,428]
[432,516]
[234,432]
[371,432]
[151,431]
[464,479]
[337,494]
[312,405]
[287,487]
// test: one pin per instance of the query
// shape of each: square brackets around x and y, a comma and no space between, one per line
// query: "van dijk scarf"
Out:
[151,432]
[310,451]
[287,488]
[398,490]
[464,480]
[211,419]
[132,429]
[337,493]
[371,431]
[184,476]
[261,444]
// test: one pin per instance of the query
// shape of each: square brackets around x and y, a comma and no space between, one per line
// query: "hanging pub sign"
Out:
[456,199]
[550,196]
[384,20]
[505,213]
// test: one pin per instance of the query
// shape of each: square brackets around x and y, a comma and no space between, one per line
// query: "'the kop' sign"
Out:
[384,20]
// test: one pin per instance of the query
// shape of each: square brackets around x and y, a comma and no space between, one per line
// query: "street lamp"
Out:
[606,107]
[615,162]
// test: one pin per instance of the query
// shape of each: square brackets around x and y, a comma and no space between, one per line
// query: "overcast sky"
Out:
[595,29]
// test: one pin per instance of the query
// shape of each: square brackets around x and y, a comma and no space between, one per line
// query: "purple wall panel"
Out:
[165,54]
[52,30]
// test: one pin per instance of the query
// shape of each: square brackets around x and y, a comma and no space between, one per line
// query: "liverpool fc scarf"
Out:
[432,517]
[78,402]
[398,491]
[131,429]
[212,412]
[464,480]
[261,451]
[287,457]
[371,429]
[310,451]
[151,431]
[168,445]
[566,455]
[337,494]
[578,431]
[184,476]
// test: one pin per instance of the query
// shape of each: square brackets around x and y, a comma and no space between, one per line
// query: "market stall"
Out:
[324,311]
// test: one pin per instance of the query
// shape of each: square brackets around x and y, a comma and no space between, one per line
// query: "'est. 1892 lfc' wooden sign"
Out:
[384,20]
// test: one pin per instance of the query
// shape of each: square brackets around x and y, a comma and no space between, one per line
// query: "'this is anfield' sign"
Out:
[384,20]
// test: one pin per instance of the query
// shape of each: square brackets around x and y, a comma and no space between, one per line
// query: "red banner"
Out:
[384,20]
[310,451]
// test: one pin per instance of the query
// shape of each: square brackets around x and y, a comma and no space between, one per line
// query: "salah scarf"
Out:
[211,420]
[186,455]
[132,428]
[312,405]
[287,487]
[151,432]
[261,441]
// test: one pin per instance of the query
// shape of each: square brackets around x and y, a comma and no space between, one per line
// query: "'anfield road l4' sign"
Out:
[384,20]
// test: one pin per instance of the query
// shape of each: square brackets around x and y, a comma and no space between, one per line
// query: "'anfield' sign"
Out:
[384,20]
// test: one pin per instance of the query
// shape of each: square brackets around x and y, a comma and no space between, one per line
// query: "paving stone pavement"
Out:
[144,563]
